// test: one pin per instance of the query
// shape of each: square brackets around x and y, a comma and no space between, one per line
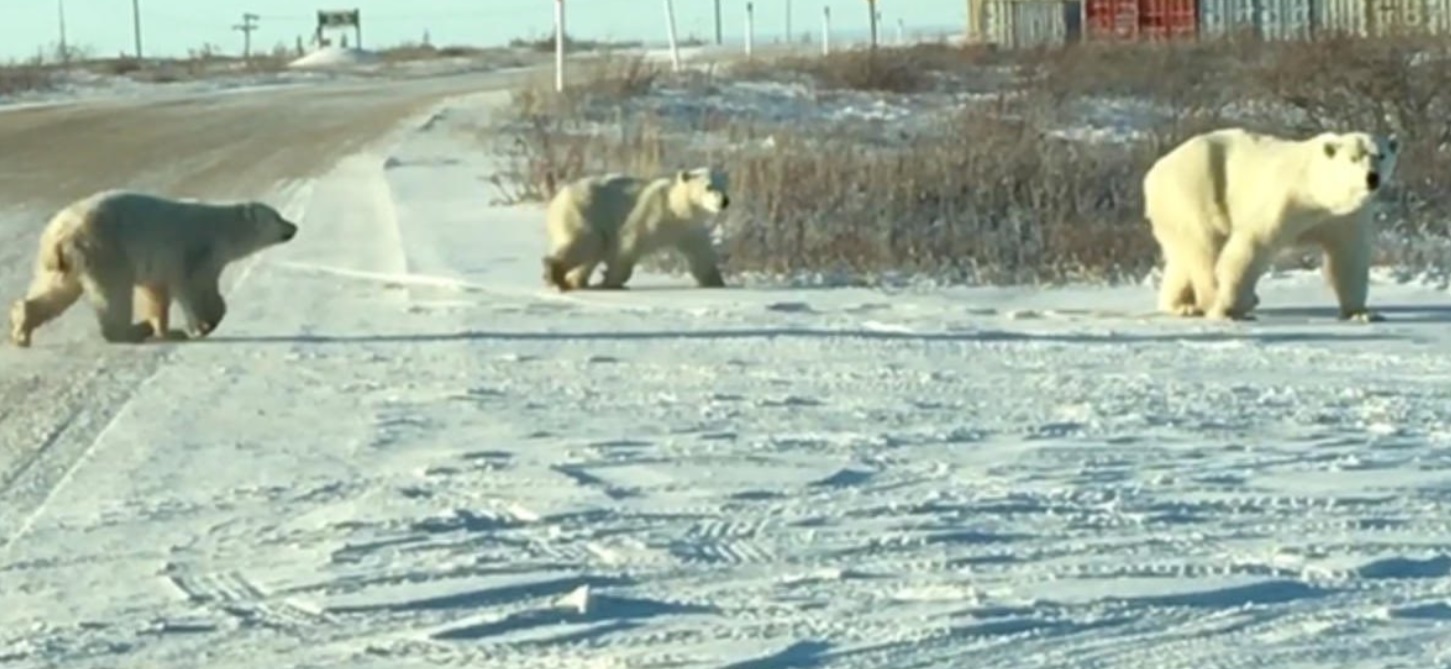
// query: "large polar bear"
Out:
[1223,203]
[619,219]
[113,243]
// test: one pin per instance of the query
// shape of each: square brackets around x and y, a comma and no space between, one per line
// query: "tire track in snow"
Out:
[75,440]
[234,595]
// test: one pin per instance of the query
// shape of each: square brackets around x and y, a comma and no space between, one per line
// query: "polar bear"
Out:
[1224,202]
[619,219]
[114,243]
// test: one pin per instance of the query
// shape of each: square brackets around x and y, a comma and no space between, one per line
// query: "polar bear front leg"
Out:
[618,270]
[700,254]
[154,303]
[1241,262]
[1347,250]
[202,303]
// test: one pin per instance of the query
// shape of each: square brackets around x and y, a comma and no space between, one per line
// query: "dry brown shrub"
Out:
[910,69]
[26,77]
[992,194]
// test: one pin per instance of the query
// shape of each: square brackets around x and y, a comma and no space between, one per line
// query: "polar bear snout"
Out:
[1372,181]
[714,201]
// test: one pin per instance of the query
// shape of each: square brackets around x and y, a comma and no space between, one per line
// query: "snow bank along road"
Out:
[401,451]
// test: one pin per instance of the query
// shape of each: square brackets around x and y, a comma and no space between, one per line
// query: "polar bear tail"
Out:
[54,257]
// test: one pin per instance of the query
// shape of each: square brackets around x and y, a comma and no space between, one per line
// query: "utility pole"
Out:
[559,46]
[788,22]
[136,22]
[248,24]
[718,38]
[826,30]
[872,7]
[65,52]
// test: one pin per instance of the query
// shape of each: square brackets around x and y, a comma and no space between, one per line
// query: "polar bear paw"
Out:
[1221,313]
[1184,310]
[1362,316]
[19,324]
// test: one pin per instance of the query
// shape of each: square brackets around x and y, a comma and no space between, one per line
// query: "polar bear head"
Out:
[256,226]
[703,188]
[270,226]
[1350,168]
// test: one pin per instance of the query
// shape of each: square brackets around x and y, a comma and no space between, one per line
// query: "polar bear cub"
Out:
[1223,203]
[620,219]
[114,243]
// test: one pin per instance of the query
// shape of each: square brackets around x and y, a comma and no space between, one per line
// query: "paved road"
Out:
[216,146]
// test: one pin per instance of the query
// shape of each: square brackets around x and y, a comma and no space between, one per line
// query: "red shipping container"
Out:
[1141,19]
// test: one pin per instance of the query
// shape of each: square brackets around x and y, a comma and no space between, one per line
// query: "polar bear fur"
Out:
[620,219]
[1223,203]
[115,243]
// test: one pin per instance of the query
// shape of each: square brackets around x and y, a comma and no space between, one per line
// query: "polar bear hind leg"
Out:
[578,278]
[1176,292]
[1242,261]
[111,298]
[570,266]
[1188,288]
[50,295]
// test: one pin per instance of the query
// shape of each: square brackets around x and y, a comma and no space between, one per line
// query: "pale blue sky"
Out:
[170,27]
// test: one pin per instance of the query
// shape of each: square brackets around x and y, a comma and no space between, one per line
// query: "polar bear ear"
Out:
[1330,149]
[250,213]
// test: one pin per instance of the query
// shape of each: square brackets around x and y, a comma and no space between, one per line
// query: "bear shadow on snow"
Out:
[1275,337]
[1400,313]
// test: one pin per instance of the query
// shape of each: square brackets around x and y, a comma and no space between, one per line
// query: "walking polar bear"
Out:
[1223,203]
[619,220]
[113,243]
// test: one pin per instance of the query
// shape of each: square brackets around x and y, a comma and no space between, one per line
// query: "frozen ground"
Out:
[401,451]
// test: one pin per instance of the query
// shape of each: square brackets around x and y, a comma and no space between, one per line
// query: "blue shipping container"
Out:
[1269,19]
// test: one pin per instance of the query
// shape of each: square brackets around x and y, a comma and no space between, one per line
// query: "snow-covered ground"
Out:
[400,450]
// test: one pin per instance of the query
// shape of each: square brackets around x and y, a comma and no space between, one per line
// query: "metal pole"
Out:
[872,7]
[826,30]
[65,53]
[558,46]
[750,27]
[788,22]
[718,38]
[670,28]
[136,21]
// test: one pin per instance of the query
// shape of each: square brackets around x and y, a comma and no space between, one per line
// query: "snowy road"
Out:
[263,143]
[401,451]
